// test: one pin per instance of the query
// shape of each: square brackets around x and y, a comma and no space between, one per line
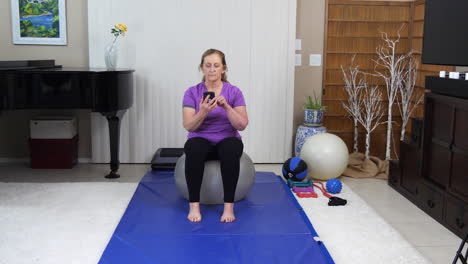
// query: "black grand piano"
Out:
[40,84]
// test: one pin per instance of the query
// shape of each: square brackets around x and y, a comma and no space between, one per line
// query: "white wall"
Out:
[164,44]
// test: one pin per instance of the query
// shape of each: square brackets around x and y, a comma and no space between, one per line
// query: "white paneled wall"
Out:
[164,44]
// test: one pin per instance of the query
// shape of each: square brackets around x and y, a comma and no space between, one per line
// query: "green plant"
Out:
[314,104]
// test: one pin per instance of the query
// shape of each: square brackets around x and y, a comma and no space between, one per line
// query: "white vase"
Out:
[110,56]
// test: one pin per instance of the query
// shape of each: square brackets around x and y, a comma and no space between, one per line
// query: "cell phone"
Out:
[210,94]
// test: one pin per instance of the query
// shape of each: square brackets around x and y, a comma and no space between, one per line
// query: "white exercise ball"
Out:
[326,156]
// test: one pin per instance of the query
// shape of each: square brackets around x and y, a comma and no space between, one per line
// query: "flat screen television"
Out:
[445,39]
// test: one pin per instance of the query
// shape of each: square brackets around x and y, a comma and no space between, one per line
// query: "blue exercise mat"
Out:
[270,227]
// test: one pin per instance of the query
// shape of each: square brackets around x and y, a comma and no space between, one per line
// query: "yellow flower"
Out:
[122,27]
[119,29]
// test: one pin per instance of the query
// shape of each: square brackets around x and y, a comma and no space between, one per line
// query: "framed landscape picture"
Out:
[39,22]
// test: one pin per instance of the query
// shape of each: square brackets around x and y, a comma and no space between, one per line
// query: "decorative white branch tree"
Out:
[353,88]
[371,113]
[393,67]
[407,93]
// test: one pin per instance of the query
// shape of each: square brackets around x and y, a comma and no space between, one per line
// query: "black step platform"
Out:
[166,158]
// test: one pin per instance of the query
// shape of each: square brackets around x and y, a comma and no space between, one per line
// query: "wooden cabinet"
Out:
[456,215]
[431,200]
[458,184]
[411,165]
[405,173]
[434,176]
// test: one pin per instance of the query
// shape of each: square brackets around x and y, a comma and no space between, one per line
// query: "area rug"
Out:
[56,223]
[356,233]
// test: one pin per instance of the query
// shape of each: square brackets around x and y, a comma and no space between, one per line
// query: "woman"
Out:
[213,126]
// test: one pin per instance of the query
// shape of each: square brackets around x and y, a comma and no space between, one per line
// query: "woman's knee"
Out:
[230,147]
[196,146]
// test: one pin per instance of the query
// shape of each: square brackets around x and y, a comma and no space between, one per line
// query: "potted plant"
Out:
[313,111]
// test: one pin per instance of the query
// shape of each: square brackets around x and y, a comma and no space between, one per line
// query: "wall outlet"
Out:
[298,44]
[298,59]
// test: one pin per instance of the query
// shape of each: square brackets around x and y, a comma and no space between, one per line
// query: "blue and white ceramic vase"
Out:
[313,117]
[303,133]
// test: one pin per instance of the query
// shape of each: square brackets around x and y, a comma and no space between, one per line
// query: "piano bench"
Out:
[54,153]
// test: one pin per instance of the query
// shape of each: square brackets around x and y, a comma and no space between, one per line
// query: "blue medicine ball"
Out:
[295,169]
[334,186]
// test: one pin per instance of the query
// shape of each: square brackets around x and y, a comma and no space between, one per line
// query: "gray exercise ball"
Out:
[212,185]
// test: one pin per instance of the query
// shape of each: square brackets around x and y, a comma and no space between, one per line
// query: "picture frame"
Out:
[39,22]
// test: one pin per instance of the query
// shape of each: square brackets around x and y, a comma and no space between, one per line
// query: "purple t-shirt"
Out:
[216,125]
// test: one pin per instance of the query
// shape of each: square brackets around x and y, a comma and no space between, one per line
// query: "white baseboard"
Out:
[26,160]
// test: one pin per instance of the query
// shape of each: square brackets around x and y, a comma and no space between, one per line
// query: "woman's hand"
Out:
[192,119]
[237,116]
[222,102]
[207,106]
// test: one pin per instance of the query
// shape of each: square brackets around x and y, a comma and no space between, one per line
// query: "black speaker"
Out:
[416,130]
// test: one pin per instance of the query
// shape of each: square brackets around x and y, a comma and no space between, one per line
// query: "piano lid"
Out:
[44,85]
[79,69]
[27,64]
[49,66]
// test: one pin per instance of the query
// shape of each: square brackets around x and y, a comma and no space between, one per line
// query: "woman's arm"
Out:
[237,116]
[193,120]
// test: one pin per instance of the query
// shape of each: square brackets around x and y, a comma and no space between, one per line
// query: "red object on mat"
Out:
[53,153]
[323,189]
[307,194]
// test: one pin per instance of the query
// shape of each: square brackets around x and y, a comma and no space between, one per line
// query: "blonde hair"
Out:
[223,60]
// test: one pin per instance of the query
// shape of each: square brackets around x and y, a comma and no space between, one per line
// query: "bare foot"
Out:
[194,214]
[228,214]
